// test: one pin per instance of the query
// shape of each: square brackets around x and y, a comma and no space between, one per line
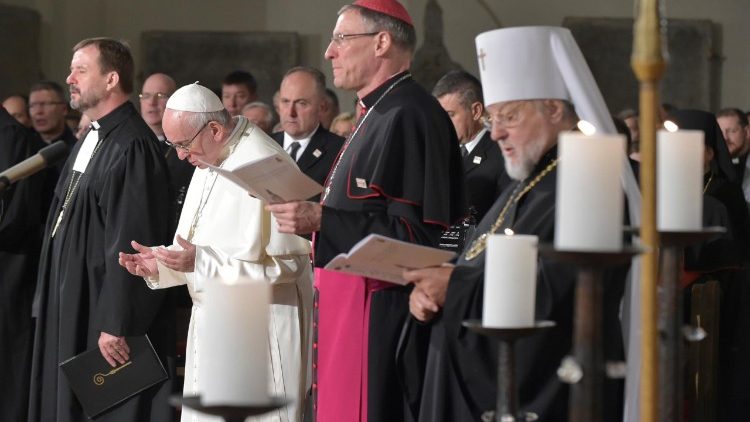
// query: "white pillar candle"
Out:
[234,365]
[589,204]
[679,180]
[510,281]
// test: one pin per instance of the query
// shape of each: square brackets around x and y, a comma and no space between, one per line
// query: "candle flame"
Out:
[586,128]
[670,126]
[509,232]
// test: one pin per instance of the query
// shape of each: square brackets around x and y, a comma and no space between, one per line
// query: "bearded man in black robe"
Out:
[114,188]
[530,102]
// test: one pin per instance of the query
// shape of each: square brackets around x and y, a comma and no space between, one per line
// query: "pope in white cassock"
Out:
[225,236]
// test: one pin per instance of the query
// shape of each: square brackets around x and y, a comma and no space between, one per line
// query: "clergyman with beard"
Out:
[111,191]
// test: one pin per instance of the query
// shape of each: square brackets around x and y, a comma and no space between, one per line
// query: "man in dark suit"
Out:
[301,99]
[460,94]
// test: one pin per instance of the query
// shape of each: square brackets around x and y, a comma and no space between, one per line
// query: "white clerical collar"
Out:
[303,142]
[87,149]
[475,140]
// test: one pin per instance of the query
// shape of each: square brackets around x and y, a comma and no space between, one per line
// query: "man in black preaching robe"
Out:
[399,175]
[22,211]
[113,189]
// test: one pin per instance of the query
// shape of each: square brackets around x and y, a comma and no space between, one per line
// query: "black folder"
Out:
[98,386]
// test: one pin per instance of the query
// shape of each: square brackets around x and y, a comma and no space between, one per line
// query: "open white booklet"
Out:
[272,179]
[383,258]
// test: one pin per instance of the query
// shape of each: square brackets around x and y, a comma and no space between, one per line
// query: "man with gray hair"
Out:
[225,236]
[398,175]
[460,94]
[260,114]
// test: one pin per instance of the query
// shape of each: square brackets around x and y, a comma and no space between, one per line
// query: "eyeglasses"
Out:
[158,95]
[44,104]
[185,146]
[508,119]
[338,39]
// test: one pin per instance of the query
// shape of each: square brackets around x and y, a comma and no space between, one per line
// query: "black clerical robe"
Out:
[81,290]
[460,376]
[22,213]
[399,176]
[54,171]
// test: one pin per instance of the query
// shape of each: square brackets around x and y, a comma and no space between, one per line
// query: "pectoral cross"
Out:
[481,57]
[57,223]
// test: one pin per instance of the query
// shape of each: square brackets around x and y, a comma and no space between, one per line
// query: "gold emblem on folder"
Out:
[99,378]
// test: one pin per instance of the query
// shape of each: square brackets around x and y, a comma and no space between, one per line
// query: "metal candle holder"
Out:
[507,388]
[585,370]
[233,413]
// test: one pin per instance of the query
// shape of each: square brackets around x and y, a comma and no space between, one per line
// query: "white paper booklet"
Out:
[272,179]
[383,258]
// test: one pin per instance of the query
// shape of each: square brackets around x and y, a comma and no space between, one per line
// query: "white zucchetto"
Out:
[195,98]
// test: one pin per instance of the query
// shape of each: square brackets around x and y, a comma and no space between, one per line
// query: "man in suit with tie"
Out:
[301,99]
[460,94]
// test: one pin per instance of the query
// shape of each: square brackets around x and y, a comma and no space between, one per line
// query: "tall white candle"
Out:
[510,281]
[589,204]
[234,367]
[679,180]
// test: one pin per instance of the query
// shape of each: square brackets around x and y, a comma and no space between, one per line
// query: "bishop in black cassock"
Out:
[398,175]
[113,189]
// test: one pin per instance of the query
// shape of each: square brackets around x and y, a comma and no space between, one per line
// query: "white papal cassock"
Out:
[237,241]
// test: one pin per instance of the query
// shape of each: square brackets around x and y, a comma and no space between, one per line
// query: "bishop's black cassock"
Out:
[399,176]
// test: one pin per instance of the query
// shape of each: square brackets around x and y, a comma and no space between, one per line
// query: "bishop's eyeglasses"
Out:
[185,145]
[338,39]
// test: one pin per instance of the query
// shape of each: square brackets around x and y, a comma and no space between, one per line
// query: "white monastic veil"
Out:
[545,62]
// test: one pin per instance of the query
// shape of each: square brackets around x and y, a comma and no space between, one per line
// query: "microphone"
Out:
[45,157]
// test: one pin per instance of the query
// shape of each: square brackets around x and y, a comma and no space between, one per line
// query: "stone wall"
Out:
[19,50]
[692,78]
[190,56]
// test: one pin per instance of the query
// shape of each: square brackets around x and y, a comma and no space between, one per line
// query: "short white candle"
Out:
[589,204]
[679,180]
[234,364]
[510,281]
